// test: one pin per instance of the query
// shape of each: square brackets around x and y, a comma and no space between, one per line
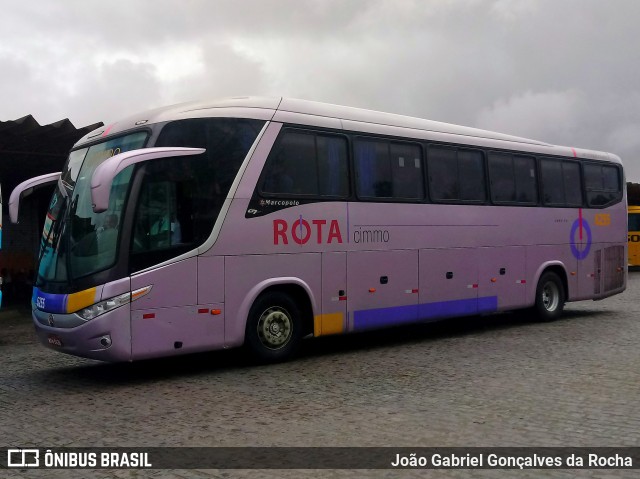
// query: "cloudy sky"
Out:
[561,71]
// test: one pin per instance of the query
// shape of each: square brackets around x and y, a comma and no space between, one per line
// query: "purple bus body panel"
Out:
[210,279]
[173,285]
[448,274]
[502,274]
[168,314]
[84,340]
[179,330]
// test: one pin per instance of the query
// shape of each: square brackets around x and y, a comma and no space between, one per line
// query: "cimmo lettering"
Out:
[370,236]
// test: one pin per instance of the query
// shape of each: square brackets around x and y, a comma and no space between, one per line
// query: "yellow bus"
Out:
[634,235]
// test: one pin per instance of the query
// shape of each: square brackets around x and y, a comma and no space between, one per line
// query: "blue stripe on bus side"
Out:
[378,318]
[488,304]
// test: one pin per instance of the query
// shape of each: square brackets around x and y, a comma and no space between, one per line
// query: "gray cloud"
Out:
[563,72]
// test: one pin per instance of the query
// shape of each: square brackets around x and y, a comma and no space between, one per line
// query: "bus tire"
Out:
[550,297]
[274,327]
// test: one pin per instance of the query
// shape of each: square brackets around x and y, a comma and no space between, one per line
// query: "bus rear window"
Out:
[602,184]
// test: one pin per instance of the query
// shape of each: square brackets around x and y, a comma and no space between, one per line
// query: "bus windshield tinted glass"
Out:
[75,240]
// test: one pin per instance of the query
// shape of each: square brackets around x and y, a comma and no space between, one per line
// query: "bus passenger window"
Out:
[503,188]
[513,178]
[572,183]
[524,170]
[309,164]
[561,183]
[456,174]
[278,179]
[443,173]
[471,176]
[602,184]
[552,182]
[406,171]
[333,166]
[388,170]
[373,169]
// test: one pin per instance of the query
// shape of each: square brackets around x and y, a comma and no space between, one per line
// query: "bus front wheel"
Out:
[550,297]
[274,328]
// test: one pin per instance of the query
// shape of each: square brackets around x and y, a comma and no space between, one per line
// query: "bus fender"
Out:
[531,292]
[257,290]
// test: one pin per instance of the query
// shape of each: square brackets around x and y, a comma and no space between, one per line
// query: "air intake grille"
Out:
[614,263]
[597,267]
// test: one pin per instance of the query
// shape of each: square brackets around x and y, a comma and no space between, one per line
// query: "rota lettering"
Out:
[301,232]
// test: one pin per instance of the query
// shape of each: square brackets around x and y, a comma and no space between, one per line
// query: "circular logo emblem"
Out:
[51,323]
[580,239]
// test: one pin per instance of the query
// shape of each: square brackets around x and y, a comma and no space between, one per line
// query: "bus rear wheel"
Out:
[550,297]
[274,327]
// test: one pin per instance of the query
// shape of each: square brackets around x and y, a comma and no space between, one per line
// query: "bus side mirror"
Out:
[104,174]
[27,187]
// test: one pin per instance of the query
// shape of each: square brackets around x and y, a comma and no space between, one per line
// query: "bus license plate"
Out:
[55,340]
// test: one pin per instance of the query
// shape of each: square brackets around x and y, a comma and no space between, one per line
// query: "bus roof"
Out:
[305,112]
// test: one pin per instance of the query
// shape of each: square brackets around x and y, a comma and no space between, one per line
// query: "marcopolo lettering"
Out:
[303,231]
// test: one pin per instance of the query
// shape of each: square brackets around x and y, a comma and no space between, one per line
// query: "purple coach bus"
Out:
[262,221]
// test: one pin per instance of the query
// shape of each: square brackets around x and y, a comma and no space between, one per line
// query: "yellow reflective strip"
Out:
[325,324]
[82,299]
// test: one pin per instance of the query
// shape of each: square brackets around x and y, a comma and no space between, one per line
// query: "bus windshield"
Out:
[76,241]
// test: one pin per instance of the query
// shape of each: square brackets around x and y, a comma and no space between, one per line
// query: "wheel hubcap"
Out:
[275,327]
[550,296]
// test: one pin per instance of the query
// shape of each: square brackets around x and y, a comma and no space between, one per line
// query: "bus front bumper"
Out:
[106,338]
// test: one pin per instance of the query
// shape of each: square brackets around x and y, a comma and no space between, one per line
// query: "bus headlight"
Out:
[102,307]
